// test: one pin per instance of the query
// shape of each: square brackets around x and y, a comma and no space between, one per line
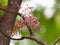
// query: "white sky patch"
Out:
[12,42]
[24,42]
[44,3]
[49,12]
[17,35]
[25,5]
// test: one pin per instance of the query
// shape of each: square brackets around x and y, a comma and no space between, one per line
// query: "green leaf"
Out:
[25,31]
[3,3]
[17,43]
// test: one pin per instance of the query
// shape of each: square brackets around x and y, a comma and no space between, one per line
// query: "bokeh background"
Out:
[48,14]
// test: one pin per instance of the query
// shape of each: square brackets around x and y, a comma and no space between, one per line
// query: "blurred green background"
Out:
[50,25]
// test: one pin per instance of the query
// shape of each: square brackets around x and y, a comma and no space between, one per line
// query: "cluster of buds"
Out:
[29,19]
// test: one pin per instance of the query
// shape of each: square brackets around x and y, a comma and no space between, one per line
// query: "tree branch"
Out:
[31,38]
[56,41]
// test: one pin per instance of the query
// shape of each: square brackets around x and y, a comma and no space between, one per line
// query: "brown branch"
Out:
[16,13]
[56,41]
[31,32]
[31,38]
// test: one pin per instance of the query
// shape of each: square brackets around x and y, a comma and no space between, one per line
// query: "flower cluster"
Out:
[29,19]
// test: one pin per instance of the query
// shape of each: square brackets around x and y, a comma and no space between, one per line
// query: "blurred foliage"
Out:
[52,25]
[3,3]
[25,31]
[17,43]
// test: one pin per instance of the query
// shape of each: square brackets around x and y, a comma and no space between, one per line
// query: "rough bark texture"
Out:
[8,21]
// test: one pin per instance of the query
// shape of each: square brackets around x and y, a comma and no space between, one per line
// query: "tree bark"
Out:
[8,21]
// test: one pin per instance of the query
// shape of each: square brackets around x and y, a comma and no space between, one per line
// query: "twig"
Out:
[56,41]
[31,38]
[31,32]
[34,39]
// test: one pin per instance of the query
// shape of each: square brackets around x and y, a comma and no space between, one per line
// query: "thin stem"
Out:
[31,38]
[56,41]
